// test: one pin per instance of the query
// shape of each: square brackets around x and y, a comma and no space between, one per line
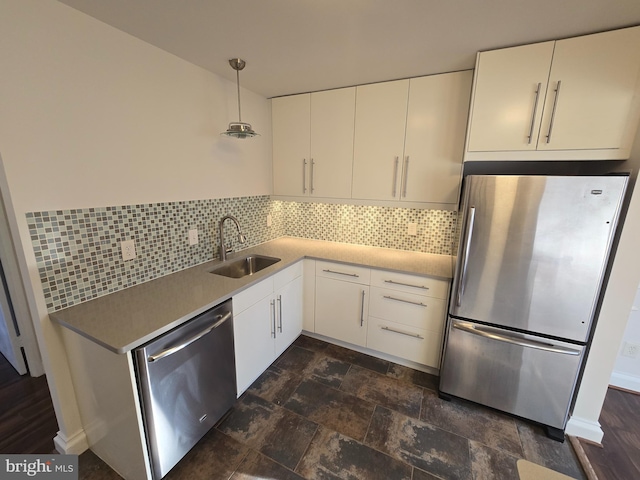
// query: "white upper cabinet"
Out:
[573,99]
[434,143]
[313,143]
[291,119]
[410,138]
[381,115]
[332,126]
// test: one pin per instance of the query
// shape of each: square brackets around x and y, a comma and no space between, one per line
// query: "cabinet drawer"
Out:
[252,295]
[412,310]
[406,282]
[344,272]
[280,279]
[415,344]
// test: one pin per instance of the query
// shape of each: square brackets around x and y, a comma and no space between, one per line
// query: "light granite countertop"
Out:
[126,319]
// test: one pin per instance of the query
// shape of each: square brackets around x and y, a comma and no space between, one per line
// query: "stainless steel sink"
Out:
[244,266]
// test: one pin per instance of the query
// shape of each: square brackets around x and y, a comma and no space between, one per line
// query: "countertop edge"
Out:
[221,289]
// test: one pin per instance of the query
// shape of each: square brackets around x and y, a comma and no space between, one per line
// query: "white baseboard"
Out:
[580,427]
[623,380]
[74,445]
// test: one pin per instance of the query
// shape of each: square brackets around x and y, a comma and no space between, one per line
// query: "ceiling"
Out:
[295,46]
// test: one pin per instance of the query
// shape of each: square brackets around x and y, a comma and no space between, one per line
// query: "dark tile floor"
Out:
[325,412]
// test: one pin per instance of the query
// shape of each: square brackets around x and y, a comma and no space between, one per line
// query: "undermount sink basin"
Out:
[241,267]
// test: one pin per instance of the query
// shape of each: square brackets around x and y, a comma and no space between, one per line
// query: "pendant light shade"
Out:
[239,129]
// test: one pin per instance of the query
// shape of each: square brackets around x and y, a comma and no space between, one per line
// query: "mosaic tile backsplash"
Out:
[78,251]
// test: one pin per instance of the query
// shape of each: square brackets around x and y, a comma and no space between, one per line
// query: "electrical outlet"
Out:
[193,236]
[630,350]
[128,248]
[412,229]
[269,220]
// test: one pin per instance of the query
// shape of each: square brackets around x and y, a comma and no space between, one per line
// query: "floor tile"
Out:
[540,449]
[312,364]
[491,464]
[334,456]
[422,379]
[91,467]
[420,475]
[337,410]
[472,421]
[382,390]
[424,446]
[272,430]
[216,456]
[256,466]
[275,385]
[357,358]
[310,343]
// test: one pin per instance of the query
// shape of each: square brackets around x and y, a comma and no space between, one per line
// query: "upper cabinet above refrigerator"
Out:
[572,99]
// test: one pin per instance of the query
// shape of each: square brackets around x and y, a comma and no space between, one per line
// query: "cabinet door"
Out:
[288,314]
[434,144]
[291,144]
[254,345]
[381,114]
[341,310]
[597,75]
[506,109]
[332,130]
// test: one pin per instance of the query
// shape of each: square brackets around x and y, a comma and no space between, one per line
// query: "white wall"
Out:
[626,372]
[91,116]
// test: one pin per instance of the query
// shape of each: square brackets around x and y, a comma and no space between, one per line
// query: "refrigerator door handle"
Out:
[491,333]
[465,255]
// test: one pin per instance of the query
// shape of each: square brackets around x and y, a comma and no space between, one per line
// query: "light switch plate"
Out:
[193,236]
[412,229]
[269,220]
[128,248]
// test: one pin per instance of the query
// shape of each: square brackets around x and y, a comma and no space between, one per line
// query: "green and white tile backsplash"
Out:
[78,251]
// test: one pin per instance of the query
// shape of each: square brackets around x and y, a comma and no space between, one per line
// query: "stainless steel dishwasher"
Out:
[187,382]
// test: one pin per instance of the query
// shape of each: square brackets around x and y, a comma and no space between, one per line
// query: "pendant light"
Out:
[239,129]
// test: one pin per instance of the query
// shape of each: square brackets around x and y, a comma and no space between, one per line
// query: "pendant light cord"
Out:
[238,83]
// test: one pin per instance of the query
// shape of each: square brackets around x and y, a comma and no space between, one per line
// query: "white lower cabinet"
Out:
[394,313]
[341,310]
[267,319]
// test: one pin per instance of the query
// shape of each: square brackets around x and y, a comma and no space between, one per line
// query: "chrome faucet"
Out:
[241,238]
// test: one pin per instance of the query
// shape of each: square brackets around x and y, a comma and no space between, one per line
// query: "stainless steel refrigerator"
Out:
[532,255]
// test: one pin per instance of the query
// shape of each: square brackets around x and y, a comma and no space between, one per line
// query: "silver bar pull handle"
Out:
[406,284]
[395,176]
[488,332]
[312,188]
[405,176]
[280,313]
[273,318]
[362,310]
[553,111]
[533,116]
[389,297]
[170,351]
[342,273]
[304,175]
[465,254]
[414,335]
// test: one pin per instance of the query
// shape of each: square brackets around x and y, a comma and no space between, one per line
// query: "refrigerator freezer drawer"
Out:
[528,376]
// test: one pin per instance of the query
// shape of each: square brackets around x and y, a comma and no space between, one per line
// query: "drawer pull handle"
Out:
[420,304]
[414,335]
[362,310]
[342,273]
[406,284]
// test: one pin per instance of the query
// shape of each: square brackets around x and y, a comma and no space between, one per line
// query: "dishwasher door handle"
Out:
[171,350]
